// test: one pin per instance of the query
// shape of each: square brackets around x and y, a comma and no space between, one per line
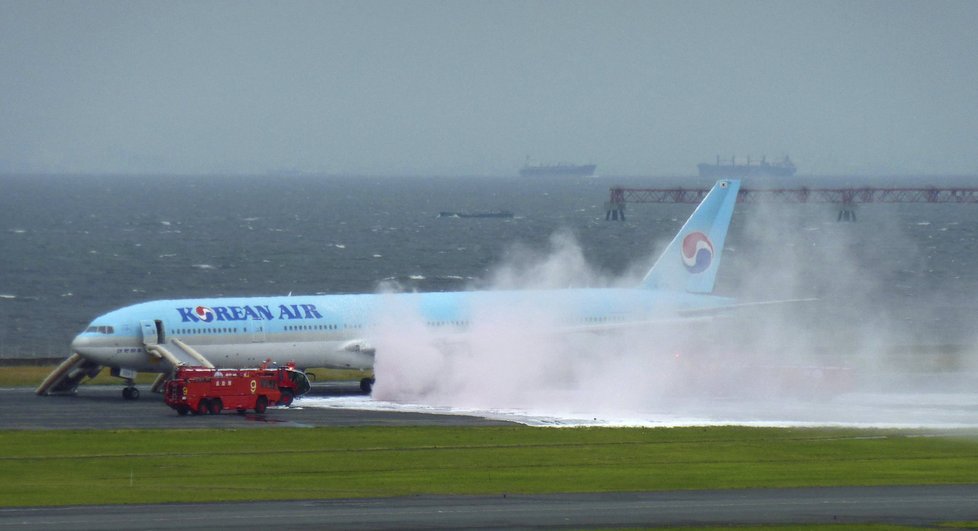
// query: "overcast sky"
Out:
[476,87]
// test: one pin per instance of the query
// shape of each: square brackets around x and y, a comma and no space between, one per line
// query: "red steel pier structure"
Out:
[846,198]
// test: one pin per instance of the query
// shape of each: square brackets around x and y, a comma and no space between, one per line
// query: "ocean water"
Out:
[73,247]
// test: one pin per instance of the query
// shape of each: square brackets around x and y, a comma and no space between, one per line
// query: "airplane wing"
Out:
[720,310]
[681,317]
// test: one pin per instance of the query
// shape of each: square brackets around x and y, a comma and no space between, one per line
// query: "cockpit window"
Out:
[101,329]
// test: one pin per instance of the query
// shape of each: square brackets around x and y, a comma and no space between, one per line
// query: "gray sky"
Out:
[474,87]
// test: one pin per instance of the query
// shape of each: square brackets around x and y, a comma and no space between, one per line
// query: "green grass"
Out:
[140,466]
[825,527]
[33,375]
[813,527]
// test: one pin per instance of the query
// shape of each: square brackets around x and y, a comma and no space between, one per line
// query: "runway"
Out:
[102,408]
[847,505]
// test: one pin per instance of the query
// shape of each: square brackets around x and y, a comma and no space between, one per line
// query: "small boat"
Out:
[486,214]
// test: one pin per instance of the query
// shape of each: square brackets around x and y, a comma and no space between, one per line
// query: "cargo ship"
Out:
[781,168]
[558,170]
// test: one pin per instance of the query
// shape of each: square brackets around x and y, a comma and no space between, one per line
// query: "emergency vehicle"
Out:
[205,390]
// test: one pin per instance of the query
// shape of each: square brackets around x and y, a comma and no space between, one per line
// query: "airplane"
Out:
[334,331]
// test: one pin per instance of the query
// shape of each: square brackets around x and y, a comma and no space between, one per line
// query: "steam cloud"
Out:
[836,360]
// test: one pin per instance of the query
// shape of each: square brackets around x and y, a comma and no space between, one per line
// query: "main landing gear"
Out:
[366,384]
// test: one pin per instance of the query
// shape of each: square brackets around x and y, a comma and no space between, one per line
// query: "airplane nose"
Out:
[80,344]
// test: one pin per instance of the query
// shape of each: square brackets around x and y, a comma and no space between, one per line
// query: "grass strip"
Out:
[150,466]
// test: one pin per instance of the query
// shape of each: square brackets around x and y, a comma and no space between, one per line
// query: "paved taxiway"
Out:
[103,408]
[895,505]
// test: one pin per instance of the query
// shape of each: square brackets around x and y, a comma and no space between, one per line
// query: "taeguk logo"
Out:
[697,252]
[204,313]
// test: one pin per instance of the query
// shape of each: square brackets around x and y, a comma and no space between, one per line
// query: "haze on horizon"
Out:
[474,88]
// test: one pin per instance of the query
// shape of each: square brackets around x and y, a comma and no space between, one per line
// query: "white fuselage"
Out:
[336,330]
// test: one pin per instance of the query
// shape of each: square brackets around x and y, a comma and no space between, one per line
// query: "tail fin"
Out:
[691,261]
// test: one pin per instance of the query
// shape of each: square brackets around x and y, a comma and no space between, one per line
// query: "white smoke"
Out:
[561,265]
[798,362]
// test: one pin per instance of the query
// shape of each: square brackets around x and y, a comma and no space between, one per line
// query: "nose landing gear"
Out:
[129,392]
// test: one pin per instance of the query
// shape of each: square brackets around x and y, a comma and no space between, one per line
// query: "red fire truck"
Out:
[205,390]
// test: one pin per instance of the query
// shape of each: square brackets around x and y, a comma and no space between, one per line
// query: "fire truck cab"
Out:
[205,390]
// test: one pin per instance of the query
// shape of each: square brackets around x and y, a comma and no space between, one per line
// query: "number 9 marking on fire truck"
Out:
[254,386]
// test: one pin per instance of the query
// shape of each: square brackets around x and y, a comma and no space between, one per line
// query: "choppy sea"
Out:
[73,247]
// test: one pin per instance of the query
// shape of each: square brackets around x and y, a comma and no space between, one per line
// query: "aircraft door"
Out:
[257,330]
[150,335]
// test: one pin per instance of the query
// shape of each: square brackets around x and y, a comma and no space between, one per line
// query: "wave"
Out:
[18,298]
